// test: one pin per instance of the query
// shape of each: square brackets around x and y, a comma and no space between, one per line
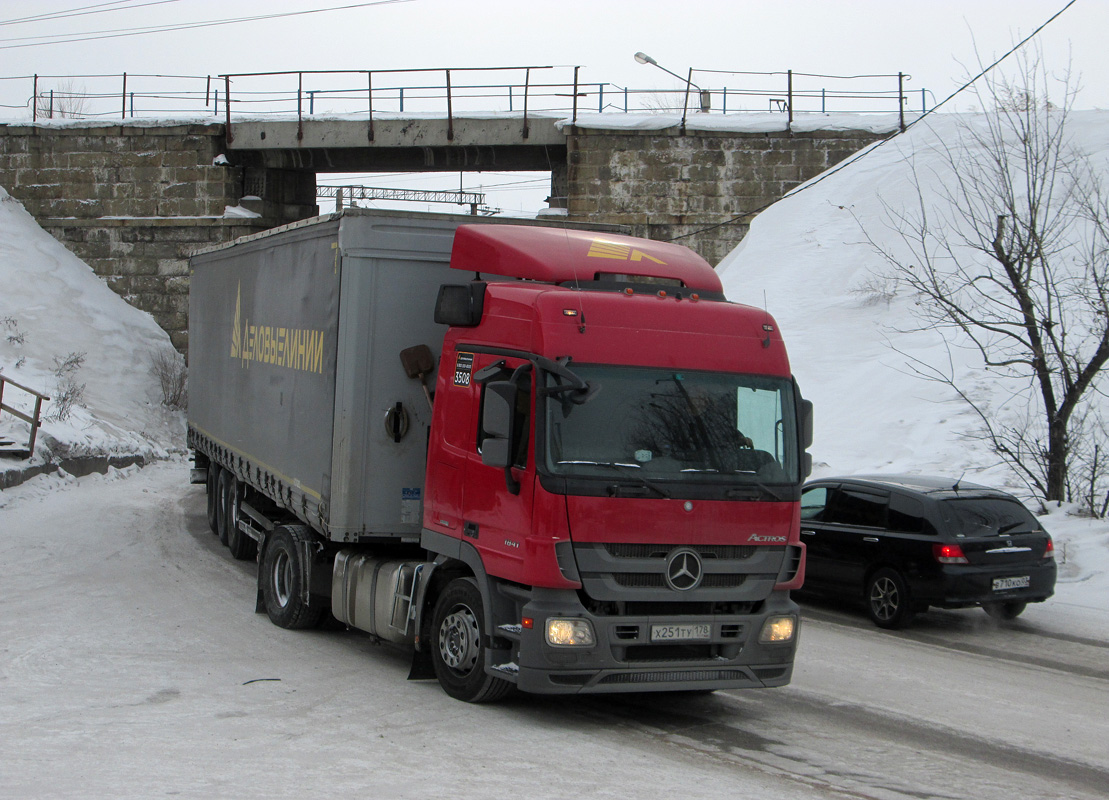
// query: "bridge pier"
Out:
[675,186]
[134,200]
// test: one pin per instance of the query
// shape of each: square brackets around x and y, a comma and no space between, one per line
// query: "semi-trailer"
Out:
[539,457]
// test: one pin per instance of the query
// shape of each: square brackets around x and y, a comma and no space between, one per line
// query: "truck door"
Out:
[497,503]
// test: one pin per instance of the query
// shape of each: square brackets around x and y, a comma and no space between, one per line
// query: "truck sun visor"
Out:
[460,304]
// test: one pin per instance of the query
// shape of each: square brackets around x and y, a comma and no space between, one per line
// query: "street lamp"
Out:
[705,94]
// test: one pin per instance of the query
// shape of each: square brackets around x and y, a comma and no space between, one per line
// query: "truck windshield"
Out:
[661,425]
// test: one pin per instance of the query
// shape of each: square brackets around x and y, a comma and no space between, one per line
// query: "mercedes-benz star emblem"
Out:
[684,570]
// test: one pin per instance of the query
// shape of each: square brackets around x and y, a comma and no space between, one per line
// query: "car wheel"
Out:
[1005,611]
[887,599]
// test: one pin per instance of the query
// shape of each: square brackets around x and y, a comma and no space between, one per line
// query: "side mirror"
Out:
[460,305]
[497,416]
[806,424]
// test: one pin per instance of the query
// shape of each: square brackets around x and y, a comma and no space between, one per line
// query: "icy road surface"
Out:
[132,665]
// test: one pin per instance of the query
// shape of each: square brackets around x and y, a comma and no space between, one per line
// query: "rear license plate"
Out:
[1001,584]
[681,633]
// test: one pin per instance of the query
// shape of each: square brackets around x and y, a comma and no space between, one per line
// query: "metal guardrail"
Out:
[342,194]
[35,418]
[449,90]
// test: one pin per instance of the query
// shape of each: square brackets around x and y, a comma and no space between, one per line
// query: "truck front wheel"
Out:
[282,578]
[458,647]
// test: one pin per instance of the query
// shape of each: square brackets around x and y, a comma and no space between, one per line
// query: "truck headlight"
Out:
[570,633]
[777,630]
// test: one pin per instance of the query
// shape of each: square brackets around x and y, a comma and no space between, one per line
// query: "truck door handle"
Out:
[871,539]
[469,529]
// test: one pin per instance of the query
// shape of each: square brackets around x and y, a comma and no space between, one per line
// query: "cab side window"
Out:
[855,507]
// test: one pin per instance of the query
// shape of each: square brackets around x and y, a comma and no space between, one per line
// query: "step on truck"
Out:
[550,459]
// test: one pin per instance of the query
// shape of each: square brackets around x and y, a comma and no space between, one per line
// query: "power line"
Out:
[26,41]
[864,153]
[84,11]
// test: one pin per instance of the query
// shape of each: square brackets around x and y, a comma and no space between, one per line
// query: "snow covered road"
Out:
[131,665]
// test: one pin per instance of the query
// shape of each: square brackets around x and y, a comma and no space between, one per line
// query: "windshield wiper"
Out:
[625,469]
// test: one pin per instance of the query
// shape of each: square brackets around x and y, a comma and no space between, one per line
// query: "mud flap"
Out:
[422,668]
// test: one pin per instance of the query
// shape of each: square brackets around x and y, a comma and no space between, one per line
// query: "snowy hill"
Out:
[808,260]
[807,257]
[54,310]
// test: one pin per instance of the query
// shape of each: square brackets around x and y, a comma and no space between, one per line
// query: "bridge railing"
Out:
[452,91]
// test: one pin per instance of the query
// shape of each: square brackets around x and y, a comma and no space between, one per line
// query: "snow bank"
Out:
[808,260]
[54,309]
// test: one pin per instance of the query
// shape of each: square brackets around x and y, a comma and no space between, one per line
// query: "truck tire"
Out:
[458,645]
[281,574]
[241,546]
[212,487]
[221,504]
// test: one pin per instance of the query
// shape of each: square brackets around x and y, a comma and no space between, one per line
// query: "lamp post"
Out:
[705,94]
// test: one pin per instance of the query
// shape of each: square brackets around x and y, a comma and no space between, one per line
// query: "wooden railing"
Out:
[35,418]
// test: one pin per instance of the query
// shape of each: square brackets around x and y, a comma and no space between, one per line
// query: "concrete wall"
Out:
[133,202]
[665,184]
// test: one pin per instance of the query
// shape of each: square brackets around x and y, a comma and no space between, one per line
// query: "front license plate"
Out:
[681,633]
[1001,584]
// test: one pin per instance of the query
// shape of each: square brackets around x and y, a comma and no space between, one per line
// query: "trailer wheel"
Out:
[242,546]
[458,649]
[212,487]
[282,578]
[225,477]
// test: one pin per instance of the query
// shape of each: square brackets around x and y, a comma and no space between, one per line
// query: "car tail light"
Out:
[1049,551]
[949,554]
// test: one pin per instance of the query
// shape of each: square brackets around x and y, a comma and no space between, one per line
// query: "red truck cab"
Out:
[614,469]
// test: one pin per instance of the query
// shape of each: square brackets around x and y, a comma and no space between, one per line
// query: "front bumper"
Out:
[623,658]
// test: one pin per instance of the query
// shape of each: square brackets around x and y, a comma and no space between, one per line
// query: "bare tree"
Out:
[67,101]
[1018,268]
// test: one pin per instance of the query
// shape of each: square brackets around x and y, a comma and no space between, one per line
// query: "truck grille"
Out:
[636,572]
[728,551]
[648,580]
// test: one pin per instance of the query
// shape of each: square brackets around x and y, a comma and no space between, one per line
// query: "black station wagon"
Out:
[904,543]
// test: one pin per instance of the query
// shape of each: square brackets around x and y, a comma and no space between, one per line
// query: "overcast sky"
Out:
[933,41]
[927,39]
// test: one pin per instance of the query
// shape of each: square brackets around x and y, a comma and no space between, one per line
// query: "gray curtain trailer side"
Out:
[295,373]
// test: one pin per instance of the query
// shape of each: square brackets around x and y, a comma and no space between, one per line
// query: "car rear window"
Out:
[979,516]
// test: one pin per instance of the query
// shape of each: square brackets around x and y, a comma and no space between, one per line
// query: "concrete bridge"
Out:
[133,199]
